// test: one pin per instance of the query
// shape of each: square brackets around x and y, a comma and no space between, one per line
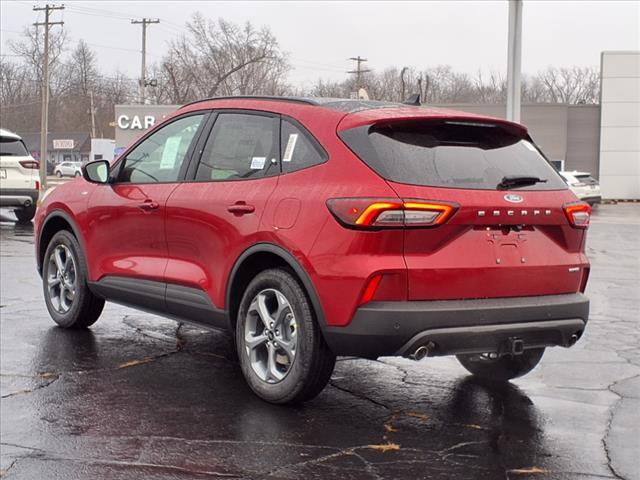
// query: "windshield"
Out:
[453,154]
[12,146]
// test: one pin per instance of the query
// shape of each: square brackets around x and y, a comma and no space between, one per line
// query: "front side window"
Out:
[159,157]
[240,146]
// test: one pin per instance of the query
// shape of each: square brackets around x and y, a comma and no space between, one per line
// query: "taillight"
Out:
[578,214]
[373,213]
[34,164]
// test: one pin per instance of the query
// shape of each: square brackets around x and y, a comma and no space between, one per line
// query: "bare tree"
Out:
[571,84]
[221,58]
[31,50]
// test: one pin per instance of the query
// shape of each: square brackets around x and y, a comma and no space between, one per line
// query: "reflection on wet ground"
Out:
[138,396]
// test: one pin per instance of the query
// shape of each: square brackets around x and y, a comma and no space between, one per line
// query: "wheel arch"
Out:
[56,220]
[260,257]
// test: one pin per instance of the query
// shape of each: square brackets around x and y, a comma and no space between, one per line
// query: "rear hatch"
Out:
[18,169]
[511,233]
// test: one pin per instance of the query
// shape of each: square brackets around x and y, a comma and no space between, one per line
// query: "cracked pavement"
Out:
[139,396]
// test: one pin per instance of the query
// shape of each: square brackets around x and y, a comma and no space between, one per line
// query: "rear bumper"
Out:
[18,197]
[461,326]
[591,199]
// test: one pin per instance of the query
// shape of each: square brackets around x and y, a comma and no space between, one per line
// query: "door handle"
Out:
[241,208]
[149,205]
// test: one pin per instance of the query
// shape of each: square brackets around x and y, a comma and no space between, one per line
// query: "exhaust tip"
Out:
[420,353]
[27,203]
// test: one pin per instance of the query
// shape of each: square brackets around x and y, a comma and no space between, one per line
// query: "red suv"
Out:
[311,228]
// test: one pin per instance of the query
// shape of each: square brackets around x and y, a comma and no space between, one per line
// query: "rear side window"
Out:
[240,146]
[451,154]
[299,150]
[12,147]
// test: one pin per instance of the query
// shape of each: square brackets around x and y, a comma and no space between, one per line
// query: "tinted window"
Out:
[452,154]
[586,179]
[159,157]
[240,146]
[12,146]
[298,150]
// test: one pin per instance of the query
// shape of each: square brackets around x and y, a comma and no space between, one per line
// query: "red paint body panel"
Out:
[193,240]
[205,239]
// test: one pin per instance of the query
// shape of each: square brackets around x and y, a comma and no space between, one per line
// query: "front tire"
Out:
[25,214]
[501,369]
[59,174]
[64,280]
[282,353]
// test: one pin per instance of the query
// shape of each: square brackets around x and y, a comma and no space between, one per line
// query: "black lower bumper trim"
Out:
[460,326]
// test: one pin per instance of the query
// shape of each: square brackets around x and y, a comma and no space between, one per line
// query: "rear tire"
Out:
[64,280]
[78,174]
[25,214]
[281,350]
[503,368]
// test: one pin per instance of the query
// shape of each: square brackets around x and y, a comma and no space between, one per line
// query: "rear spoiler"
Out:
[410,115]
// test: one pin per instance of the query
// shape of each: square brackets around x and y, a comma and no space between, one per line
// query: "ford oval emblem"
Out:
[513,198]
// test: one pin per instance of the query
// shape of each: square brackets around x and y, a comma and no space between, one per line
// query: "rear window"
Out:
[586,179]
[13,147]
[451,154]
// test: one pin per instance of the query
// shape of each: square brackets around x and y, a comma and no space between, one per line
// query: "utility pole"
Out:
[402,72]
[514,53]
[143,70]
[358,71]
[93,115]
[44,124]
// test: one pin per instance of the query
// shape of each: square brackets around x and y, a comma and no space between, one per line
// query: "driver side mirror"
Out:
[96,171]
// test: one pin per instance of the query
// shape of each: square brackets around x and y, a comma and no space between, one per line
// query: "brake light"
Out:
[578,214]
[373,213]
[32,164]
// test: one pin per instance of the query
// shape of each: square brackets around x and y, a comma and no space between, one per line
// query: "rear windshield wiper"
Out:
[519,181]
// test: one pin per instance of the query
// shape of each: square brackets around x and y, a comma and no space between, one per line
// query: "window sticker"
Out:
[170,153]
[291,145]
[257,163]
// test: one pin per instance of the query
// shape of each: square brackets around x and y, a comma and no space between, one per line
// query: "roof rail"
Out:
[305,101]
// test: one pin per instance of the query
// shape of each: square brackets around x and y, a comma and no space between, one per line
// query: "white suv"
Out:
[584,186]
[68,169]
[19,176]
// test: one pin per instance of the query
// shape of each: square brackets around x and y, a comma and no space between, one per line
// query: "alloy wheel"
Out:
[61,279]
[270,336]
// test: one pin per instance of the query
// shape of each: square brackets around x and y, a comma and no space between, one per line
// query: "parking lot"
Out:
[138,396]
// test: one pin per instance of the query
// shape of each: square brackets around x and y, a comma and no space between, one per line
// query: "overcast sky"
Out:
[320,36]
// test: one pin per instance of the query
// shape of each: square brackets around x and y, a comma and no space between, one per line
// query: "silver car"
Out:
[68,169]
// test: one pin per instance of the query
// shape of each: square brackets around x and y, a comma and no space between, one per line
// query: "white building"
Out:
[620,125]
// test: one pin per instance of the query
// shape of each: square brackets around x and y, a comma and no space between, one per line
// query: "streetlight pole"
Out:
[514,60]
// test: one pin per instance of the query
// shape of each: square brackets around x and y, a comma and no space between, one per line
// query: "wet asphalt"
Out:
[141,397]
